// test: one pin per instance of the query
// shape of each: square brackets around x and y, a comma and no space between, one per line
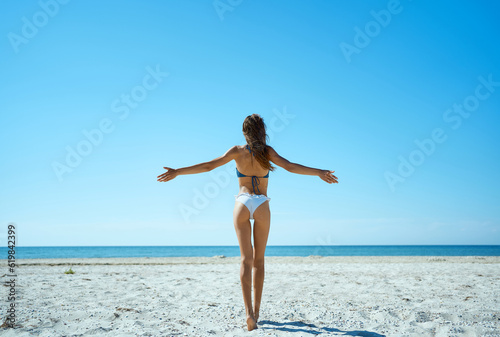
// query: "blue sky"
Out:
[98,97]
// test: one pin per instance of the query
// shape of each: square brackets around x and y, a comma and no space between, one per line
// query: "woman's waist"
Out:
[244,188]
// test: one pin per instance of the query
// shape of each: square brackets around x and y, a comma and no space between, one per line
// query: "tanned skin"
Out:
[252,257]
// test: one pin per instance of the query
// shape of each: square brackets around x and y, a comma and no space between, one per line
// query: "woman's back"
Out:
[249,167]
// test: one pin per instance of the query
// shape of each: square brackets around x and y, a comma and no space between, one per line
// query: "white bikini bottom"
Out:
[251,201]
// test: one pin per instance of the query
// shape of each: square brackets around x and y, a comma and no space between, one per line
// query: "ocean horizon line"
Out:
[38,252]
[339,245]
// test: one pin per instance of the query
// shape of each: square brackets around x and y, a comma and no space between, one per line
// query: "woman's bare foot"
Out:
[251,323]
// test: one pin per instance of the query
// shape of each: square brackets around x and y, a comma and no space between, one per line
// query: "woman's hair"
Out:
[254,131]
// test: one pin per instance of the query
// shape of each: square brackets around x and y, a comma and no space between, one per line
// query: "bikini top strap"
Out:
[255,183]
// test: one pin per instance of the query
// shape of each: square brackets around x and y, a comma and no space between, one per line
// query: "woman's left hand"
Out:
[169,175]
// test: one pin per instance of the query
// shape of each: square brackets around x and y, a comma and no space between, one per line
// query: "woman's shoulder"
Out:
[270,149]
[238,149]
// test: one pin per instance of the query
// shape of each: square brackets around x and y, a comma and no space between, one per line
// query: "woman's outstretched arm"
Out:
[326,175]
[199,168]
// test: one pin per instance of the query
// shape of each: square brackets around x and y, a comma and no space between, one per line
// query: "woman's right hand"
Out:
[328,176]
[169,175]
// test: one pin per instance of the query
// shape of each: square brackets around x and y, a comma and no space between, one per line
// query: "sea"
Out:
[228,251]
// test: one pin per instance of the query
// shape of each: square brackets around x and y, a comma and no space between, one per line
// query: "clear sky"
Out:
[401,99]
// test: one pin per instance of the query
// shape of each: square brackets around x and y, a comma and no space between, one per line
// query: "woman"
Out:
[253,163]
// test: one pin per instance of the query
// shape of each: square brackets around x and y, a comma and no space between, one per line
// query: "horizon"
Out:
[339,245]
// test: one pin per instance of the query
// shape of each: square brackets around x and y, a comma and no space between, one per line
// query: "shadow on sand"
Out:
[307,328]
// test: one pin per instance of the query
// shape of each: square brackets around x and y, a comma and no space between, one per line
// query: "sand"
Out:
[303,296]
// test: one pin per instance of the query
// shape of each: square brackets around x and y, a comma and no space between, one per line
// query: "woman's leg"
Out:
[243,229]
[262,221]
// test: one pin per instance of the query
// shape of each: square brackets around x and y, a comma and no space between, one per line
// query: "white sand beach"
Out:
[303,296]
